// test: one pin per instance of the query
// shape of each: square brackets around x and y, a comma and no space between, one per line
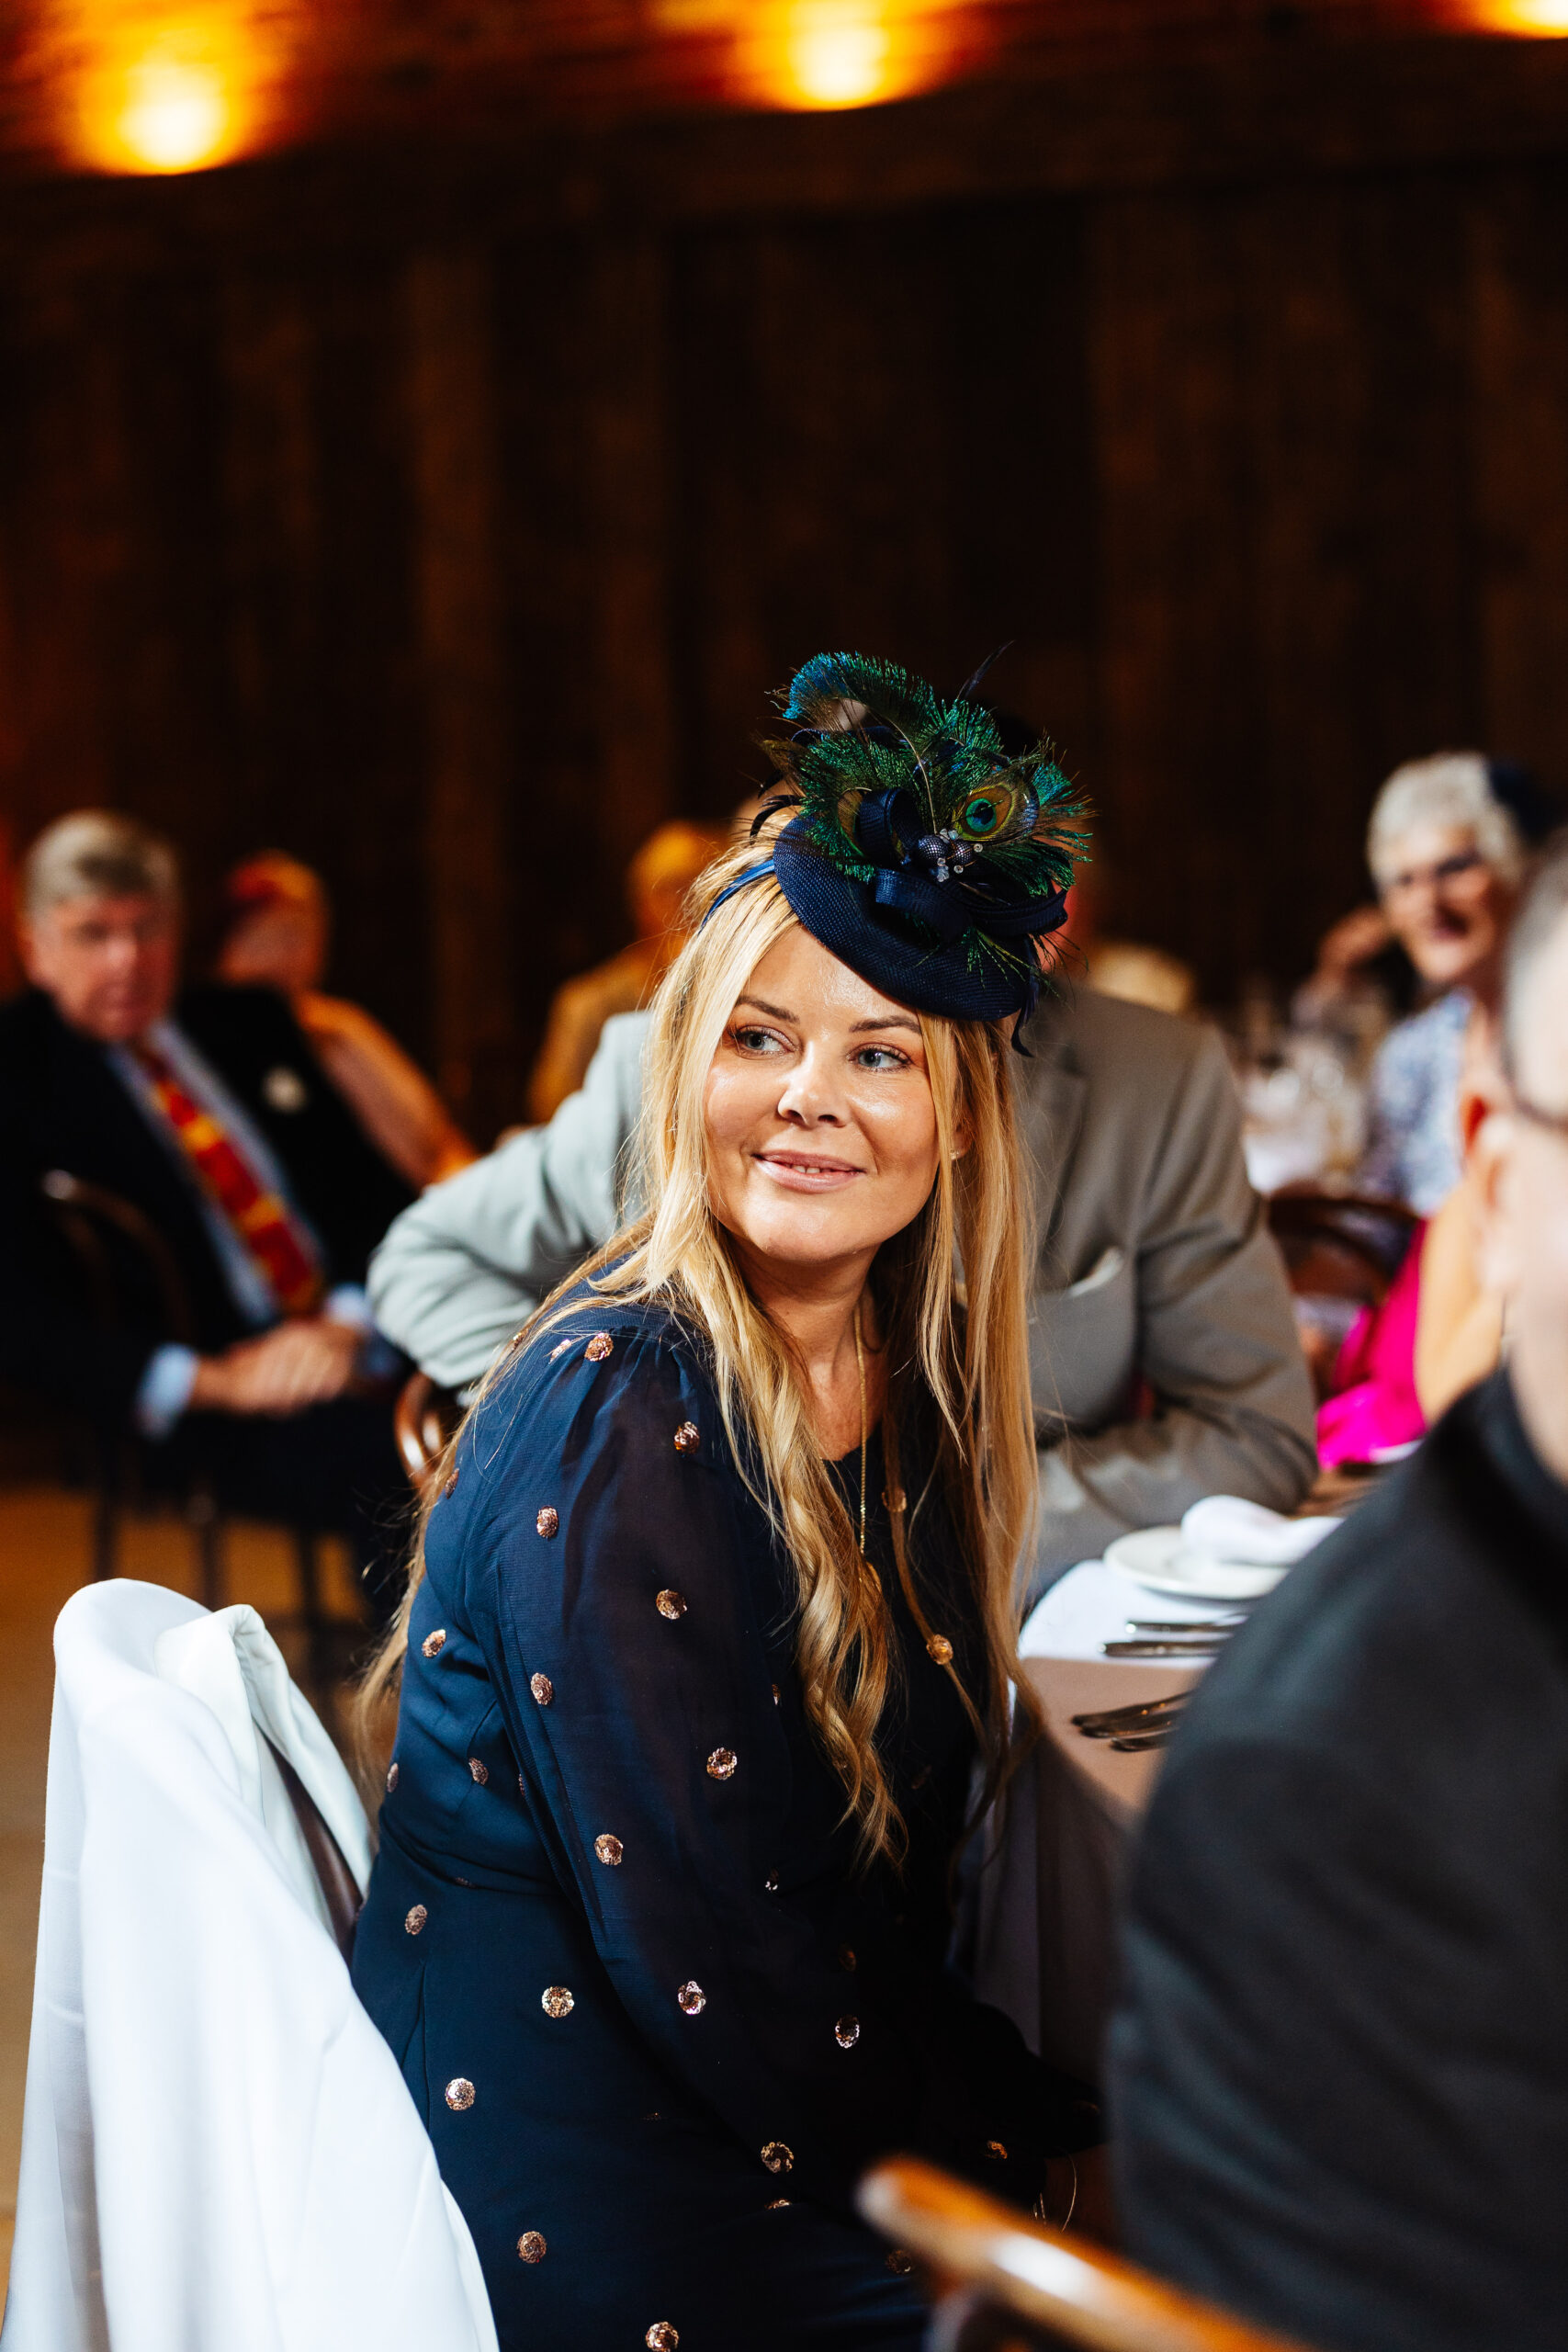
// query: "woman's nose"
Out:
[812,1095]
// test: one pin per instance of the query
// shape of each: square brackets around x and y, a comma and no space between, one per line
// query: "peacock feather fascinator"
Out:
[923,856]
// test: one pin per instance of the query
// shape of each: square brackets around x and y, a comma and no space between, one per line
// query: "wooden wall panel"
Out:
[449,528]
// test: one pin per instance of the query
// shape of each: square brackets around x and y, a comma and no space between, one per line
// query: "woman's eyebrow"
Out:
[760,1004]
[892,1021]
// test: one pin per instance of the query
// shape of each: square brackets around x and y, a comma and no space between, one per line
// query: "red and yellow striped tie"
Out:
[279,1249]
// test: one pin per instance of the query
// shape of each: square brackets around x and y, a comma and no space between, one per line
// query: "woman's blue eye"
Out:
[881,1057]
[757,1041]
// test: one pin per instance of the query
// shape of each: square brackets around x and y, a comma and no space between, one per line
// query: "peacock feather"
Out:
[885,774]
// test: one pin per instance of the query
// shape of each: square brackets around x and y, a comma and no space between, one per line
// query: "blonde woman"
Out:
[716,1610]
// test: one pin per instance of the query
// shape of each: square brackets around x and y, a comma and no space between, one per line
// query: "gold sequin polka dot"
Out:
[997,2152]
[599,1347]
[544,1690]
[556,2001]
[778,2205]
[771,1884]
[662,2336]
[941,1648]
[448,1485]
[722,1763]
[846,2033]
[670,1604]
[561,1348]
[481,1771]
[434,1642]
[391,1776]
[900,2263]
[459,2094]
[609,1849]
[778,2158]
[692,1998]
[531,2247]
[688,1437]
[414,1919]
[547,1521]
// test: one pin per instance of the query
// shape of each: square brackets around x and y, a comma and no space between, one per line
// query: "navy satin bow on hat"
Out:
[927,876]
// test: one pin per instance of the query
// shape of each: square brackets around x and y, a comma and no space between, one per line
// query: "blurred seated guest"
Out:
[211,1117]
[1157,1277]
[1438,1329]
[277,938]
[1447,851]
[1340,2068]
[719,1611]
[1127,968]
[657,882]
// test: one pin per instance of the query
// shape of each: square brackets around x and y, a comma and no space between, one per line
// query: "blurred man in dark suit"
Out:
[213,1120]
[1340,2071]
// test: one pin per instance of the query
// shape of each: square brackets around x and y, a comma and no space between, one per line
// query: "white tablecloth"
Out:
[1045,1949]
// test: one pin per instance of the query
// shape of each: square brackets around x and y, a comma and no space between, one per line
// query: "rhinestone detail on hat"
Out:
[778,2158]
[899,2263]
[481,1771]
[556,2001]
[996,2151]
[846,2033]
[688,1437]
[662,2336]
[531,2247]
[608,1849]
[391,1776]
[670,1604]
[544,1690]
[561,1348]
[847,1959]
[448,1485]
[434,1642]
[777,2205]
[547,1521]
[941,1648]
[599,1347]
[414,1919]
[722,1763]
[459,2094]
[692,1998]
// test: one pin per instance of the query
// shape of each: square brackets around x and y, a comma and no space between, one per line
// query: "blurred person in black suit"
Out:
[212,1118]
[1340,2068]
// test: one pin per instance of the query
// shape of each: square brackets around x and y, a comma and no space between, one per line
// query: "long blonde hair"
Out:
[974,1364]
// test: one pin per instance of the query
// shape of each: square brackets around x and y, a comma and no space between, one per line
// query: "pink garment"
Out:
[1375,1405]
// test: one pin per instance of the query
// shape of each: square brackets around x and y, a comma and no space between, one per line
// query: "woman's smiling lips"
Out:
[807,1171]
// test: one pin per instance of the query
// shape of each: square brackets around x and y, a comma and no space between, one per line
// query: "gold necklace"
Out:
[860,1367]
[938,1646]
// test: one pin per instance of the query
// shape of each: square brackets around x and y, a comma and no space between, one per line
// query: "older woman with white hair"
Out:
[1447,845]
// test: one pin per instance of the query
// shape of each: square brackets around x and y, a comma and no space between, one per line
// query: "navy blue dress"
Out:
[656,2021]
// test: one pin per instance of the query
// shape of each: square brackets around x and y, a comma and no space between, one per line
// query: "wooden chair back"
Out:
[423,1420]
[1341,1246]
[1011,2285]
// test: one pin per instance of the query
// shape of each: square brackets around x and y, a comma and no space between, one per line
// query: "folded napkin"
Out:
[1224,1527]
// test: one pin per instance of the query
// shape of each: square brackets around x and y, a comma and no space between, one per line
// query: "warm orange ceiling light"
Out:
[845,52]
[1529,17]
[160,92]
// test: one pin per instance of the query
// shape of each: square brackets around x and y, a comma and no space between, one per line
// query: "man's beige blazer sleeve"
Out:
[460,1270]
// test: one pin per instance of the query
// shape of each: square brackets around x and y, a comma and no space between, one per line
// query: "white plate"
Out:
[1160,1559]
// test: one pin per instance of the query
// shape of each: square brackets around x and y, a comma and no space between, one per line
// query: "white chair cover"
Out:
[218,2153]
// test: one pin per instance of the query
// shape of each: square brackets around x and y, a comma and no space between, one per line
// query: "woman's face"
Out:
[822,1133]
[1445,905]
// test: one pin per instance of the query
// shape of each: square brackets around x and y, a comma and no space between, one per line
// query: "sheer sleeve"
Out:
[624,1638]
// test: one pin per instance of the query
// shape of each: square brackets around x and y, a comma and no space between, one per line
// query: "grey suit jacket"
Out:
[1154,1266]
